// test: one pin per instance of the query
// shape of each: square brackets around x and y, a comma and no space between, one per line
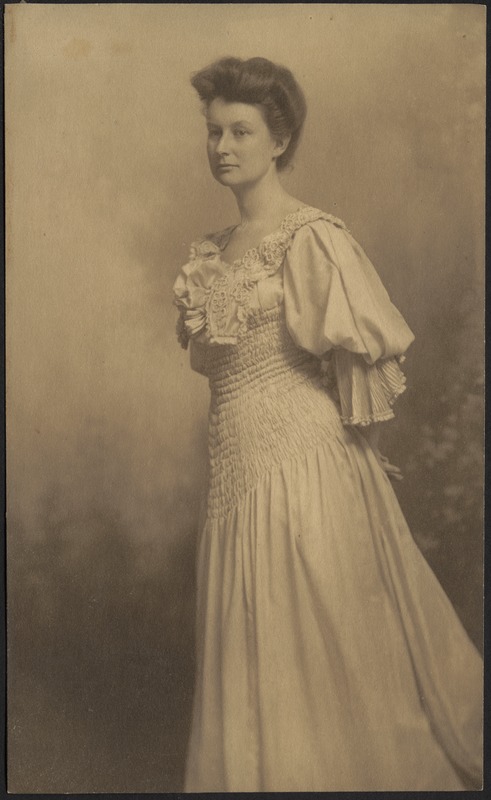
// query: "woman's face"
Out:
[240,147]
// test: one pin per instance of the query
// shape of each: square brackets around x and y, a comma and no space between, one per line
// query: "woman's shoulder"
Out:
[310,230]
[312,227]
[307,215]
[304,221]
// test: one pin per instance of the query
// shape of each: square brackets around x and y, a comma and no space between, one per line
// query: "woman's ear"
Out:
[281,145]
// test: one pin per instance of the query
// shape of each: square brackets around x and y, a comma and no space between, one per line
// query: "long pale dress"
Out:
[328,656]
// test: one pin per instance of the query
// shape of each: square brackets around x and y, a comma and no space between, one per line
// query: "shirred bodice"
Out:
[334,303]
[268,404]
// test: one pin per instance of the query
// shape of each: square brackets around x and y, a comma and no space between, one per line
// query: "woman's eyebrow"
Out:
[235,122]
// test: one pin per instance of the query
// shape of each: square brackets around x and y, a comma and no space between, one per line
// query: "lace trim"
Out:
[272,247]
[365,421]
[219,301]
[255,264]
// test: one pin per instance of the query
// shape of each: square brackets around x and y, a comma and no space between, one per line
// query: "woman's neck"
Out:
[262,200]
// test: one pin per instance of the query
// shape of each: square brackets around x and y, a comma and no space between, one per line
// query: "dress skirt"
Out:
[329,657]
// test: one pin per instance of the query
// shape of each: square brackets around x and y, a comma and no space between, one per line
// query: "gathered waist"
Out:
[268,404]
[263,355]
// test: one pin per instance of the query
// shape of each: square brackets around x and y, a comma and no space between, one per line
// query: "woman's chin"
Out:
[227,177]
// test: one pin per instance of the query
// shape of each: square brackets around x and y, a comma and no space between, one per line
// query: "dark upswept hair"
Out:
[258,81]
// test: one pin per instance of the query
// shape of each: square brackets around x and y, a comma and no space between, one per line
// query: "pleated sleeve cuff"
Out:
[367,392]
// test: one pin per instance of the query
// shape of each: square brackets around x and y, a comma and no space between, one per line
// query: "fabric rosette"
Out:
[192,289]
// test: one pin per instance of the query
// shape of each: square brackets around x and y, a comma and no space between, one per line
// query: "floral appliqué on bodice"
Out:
[215,297]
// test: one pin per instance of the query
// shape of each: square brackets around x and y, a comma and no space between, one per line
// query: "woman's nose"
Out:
[223,144]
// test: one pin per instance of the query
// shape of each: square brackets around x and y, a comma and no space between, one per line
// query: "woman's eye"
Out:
[213,134]
[240,132]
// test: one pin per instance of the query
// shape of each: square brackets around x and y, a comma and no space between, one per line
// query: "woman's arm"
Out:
[372,434]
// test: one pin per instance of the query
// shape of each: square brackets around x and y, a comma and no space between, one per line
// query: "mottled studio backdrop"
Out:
[107,183]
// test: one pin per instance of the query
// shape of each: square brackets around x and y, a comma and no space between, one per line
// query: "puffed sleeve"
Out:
[335,301]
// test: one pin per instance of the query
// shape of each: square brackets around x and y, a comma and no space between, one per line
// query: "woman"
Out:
[329,657]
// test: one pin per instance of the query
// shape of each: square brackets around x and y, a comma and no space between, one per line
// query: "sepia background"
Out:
[107,184]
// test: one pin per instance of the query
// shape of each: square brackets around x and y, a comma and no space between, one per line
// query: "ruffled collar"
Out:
[213,295]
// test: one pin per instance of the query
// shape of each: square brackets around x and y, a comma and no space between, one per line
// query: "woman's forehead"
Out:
[223,112]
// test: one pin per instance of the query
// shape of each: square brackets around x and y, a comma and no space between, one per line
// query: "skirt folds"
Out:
[329,658]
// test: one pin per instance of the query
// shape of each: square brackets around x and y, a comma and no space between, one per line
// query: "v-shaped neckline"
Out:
[227,233]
